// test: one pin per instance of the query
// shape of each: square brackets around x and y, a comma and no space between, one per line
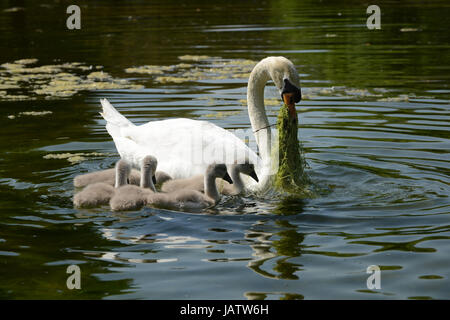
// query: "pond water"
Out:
[374,123]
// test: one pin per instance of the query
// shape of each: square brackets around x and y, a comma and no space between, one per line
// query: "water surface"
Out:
[374,123]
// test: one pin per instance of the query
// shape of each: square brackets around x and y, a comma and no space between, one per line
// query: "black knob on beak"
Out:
[290,88]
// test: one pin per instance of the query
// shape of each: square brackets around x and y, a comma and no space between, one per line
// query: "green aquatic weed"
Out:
[291,176]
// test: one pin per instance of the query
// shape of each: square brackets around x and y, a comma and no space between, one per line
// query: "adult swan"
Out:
[185,147]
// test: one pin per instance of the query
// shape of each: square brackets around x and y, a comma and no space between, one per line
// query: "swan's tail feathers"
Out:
[114,120]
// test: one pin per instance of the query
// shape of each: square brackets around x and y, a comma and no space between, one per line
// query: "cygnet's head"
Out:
[149,164]
[123,167]
[219,171]
[247,168]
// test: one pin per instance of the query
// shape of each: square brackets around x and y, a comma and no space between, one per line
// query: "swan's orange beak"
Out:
[288,99]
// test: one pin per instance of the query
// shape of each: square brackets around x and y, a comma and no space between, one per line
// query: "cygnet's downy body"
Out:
[193,199]
[131,197]
[100,193]
[197,182]
[162,177]
[108,176]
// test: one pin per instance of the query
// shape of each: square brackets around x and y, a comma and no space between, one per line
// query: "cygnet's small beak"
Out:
[154,179]
[254,176]
[227,178]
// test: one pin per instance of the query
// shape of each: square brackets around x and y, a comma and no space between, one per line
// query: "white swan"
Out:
[185,147]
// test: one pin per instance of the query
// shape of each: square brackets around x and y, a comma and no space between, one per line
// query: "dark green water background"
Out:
[377,145]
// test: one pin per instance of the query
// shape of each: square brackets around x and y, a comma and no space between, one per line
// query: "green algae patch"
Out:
[291,176]
[73,157]
[199,68]
[222,114]
[30,113]
[400,98]
[149,69]
[189,57]
[23,80]
[14,9]
[267,102]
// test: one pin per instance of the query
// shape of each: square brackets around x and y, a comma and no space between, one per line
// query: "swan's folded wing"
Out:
[185,147]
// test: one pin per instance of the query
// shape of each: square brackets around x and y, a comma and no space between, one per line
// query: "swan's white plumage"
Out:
[185,147]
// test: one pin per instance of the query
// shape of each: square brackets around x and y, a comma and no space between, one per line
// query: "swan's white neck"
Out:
[256,109]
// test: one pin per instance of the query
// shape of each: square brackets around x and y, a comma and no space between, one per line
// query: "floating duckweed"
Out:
[194,58]
[239,62]
[183,65]
[314,92]
[4,86]
[267,102]
[73,157]
[409,29]
[222,114]
[30,113]
[291,176]
[34,113]
[400,98]
[361,93]
[169,79]
[13,9]
[207,68]
[241,75]
[55,81]
[210,100]
[99,75]
[15,97]
[26,61]
[21,68]
[149,69]
[272,102]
